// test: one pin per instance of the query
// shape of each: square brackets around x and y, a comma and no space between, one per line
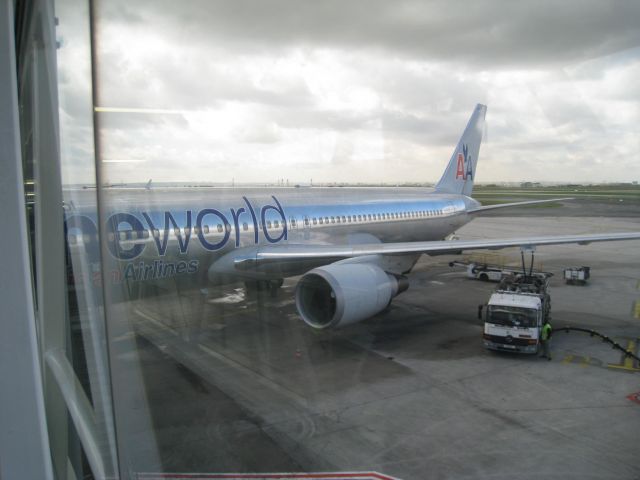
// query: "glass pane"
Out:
[240,342]
[87,343]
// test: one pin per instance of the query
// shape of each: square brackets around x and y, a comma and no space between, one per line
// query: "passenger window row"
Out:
[369,217]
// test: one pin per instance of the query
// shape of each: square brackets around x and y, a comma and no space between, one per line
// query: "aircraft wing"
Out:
[265,255]
[484,208]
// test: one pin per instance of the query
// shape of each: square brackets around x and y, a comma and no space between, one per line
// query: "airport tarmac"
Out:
[235,384]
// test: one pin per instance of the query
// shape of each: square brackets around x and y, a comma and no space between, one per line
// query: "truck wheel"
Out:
[484,277]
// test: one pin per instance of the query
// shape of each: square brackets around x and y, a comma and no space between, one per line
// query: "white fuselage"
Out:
[163,232]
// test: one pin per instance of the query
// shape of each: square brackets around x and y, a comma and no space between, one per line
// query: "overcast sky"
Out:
[356,91]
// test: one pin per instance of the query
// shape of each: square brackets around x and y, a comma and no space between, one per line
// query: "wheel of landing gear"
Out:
[251,288]
[274,287]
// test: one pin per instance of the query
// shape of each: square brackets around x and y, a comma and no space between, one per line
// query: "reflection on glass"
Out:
[214,120]
[93,421]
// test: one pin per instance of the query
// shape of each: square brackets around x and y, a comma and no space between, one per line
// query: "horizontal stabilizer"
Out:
[516,204]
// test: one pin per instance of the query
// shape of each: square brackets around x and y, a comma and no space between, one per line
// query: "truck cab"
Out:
[515,313]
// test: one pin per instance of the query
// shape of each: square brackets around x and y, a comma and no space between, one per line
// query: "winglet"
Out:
[461,170]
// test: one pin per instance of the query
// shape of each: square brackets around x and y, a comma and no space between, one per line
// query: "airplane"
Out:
[352,247]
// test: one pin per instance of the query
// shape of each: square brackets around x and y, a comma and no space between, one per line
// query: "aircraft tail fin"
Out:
[461,170]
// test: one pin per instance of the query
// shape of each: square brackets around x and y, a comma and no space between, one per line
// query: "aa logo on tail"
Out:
[465,166]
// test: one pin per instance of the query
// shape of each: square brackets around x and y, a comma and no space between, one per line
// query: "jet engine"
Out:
[344,293]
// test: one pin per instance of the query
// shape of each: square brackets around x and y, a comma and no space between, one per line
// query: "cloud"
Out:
[361,90]
[483,32]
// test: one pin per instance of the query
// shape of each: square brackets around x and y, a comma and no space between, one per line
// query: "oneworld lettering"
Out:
[129,235]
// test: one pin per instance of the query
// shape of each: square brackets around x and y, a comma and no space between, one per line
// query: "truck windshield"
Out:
[512,316]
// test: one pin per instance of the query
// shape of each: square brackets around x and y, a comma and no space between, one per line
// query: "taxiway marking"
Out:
[626,363]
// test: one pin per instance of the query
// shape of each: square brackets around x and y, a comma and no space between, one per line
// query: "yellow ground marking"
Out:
[636,306]
[581,360]
[627,363]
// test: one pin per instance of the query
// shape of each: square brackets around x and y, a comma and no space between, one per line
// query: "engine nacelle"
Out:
[341,294]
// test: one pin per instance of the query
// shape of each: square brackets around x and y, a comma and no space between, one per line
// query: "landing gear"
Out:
[274,286]
[255,288]
[251,288]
